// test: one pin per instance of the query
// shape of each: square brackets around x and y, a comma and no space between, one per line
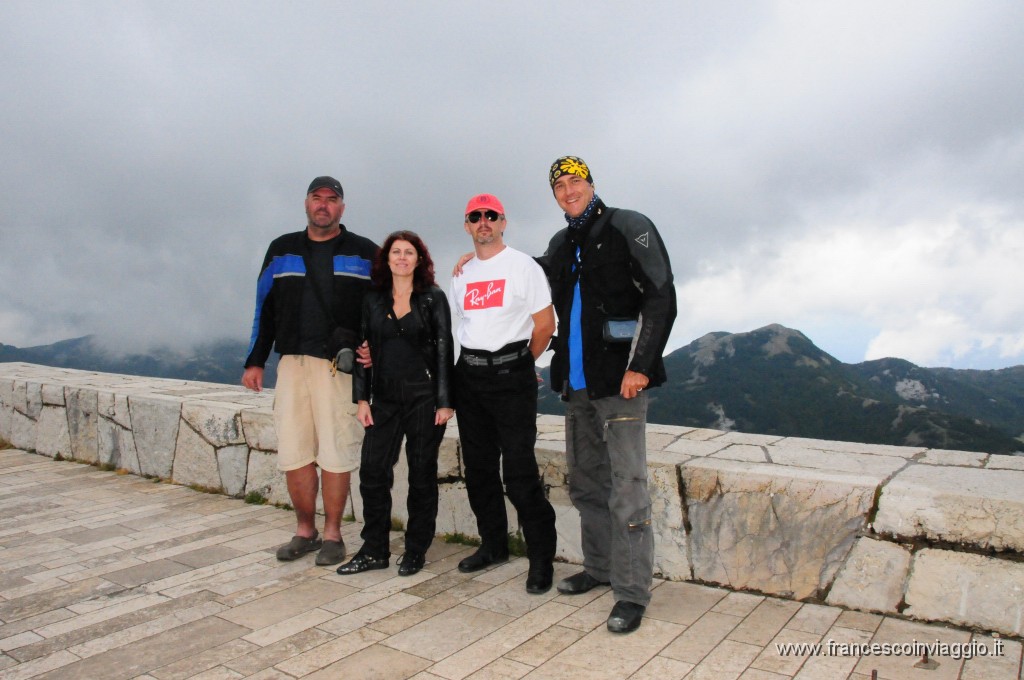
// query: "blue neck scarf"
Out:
[577,222]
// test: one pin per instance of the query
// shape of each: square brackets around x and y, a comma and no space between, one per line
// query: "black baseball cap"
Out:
[326,182]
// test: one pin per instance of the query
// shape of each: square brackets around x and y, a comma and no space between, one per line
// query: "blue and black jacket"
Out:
[279,291]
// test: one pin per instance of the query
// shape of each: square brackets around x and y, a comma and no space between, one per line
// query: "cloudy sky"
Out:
[851,170]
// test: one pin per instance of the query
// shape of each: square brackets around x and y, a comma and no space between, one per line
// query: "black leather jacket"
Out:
[438,350]
[624,274]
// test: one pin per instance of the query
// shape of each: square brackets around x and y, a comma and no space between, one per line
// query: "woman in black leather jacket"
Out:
[407,323]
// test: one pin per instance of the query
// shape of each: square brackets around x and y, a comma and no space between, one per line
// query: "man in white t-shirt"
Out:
[504,303]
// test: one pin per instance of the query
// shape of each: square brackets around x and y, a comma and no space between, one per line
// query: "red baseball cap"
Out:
[485,202]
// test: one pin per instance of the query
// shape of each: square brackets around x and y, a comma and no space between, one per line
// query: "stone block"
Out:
[778,530]
[453,512]
[5,421]
[946,457]
[52,435]
[877,466]
[264,478]
[116,446]
[33,399]
[979,507]
[696,448]
[852,447]
[21,431]
[448,459]
[82,414]
[52,395]
[967,589]
[668,522]
[114,405]
[217,423]
[155,427]
[195,460]
[258,428]
[873,577]
[567,528]
[233,464]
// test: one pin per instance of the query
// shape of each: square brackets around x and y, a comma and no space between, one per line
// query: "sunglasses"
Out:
[474,217]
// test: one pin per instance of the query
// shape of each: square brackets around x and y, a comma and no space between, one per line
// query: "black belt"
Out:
[494,359]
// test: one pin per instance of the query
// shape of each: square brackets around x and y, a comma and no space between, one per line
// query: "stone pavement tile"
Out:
[205,660]
[445,581]
[767,619]
[662,668]
[275,577]
[373,663]
[30,623]
[544,645]
[329,653]
[738,604]
[270,674]
[149,629]
[425,609]
[218,673]
[683,603]
[859,621]
[814,618]
[601,654]
[268,540]
[900,665]
[283,604]
[37,667]
[757,674]
[113,563]
[365,616]
[727,661]
[772,659]
[512,599]
[503,640]
[447,632]
[196,575]
[146,573]
[19,640]
[54,598]
[1003,660]
[699,639]
[260,658]
[590,615]
[825,666]
[119,606]
[80,536]
[288,627]
[500,669]
[153,652]
[203,557]
[354,601]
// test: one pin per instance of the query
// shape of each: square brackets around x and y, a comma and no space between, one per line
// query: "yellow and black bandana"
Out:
[569,165]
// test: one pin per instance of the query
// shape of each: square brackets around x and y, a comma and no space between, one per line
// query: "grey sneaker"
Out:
[297,547]
[333,552]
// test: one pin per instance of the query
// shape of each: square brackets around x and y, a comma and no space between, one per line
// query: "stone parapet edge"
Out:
[929,534]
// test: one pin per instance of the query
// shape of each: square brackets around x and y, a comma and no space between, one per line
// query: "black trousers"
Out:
[400,409]
[497,409]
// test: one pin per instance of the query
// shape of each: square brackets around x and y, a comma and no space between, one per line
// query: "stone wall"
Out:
[935,535]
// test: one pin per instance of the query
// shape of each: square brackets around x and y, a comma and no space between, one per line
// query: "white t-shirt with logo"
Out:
[496,299]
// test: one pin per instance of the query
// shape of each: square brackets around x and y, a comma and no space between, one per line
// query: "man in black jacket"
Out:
[308,303]
[611,283]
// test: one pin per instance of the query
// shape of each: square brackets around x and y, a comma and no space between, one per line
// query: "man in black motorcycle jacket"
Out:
[612,288]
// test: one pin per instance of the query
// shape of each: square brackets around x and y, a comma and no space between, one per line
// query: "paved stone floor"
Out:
[113,576]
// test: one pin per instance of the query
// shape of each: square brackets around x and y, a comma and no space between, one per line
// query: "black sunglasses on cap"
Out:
[475,216]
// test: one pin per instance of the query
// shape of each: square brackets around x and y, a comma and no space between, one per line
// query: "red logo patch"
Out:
[484,294]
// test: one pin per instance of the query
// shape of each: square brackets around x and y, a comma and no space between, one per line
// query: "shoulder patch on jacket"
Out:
[642,239]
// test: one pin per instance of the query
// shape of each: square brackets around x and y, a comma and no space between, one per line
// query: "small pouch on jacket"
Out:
[619,330]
